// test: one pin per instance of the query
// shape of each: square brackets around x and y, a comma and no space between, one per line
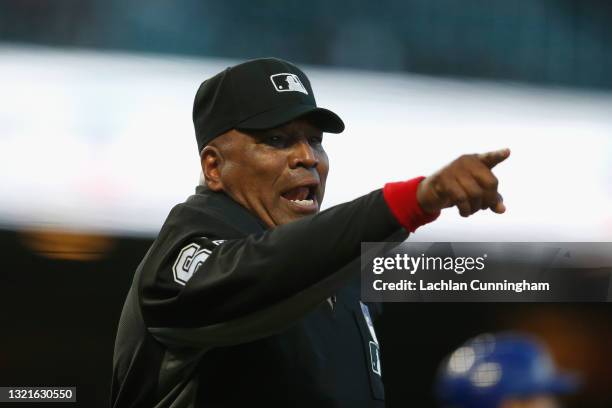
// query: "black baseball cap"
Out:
[257,94]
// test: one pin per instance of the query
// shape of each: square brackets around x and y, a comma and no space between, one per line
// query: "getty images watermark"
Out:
[459,264]
[515,272]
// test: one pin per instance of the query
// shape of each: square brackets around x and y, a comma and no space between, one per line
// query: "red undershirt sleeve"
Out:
[401,198]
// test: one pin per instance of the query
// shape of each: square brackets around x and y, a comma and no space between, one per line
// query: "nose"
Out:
[303,155]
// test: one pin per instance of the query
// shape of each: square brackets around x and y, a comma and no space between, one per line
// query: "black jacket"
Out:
[223,312]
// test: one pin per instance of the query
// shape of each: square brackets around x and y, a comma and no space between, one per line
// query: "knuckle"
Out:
[475,193]
[461,198]
[493,183]
[463,159]
[467,157]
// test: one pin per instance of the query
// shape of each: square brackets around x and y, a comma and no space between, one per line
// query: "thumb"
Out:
[491,159]
[499,206]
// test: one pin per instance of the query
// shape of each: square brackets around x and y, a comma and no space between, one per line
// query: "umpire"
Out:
[249,296]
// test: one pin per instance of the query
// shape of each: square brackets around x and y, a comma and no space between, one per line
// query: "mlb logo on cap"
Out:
[287,82]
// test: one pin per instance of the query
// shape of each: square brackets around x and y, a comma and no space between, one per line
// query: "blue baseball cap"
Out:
[490,368]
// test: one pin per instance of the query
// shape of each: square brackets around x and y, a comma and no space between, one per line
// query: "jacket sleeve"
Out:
[208,293]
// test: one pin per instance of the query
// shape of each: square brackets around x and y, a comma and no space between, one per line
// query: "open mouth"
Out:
[303,197]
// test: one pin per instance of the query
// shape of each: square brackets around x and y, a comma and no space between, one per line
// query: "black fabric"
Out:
[252,324]
[257,94]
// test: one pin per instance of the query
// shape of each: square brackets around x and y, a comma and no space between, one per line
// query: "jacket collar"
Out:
[223,207]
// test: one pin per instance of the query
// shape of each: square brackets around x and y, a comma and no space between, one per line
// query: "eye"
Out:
[316,140]
[276,140]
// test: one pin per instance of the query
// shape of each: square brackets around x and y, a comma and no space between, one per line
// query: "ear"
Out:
[211,160]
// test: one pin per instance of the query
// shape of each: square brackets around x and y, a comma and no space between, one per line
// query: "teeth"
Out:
[303,202]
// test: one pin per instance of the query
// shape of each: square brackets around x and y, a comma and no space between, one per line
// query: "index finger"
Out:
[491,159]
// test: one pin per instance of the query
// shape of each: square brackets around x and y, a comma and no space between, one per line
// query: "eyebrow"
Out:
[282,130]
[259,133]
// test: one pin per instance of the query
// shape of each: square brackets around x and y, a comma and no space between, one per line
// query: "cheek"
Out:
[265,168]
[323,170]
[323,167]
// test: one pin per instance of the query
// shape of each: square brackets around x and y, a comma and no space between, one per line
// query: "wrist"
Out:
[402,200]
[422,202]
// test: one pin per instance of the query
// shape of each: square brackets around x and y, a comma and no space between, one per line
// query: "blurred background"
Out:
[96,146]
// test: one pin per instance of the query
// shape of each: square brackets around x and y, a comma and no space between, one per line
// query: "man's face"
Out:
[278,174]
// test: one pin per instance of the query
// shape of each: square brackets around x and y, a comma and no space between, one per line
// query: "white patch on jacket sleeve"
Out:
[188,261]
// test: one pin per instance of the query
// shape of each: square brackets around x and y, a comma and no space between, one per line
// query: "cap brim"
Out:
[563,384]
[325,119]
